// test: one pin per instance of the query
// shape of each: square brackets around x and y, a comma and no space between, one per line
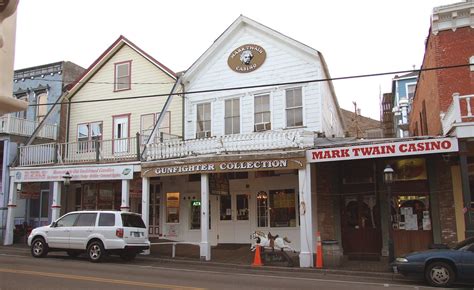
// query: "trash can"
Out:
[332,253]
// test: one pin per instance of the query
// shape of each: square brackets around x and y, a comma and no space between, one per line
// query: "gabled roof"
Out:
[240,22]
[109,53]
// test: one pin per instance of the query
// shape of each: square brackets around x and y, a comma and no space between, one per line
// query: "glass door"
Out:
[154,210]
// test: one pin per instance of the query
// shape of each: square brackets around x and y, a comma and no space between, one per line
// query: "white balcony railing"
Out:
[460,111]
[22,127]
[268,140]
[99,151]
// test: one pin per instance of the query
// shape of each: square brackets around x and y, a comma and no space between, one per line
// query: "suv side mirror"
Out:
[54,224]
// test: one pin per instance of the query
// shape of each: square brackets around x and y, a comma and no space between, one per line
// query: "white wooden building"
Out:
[253,101]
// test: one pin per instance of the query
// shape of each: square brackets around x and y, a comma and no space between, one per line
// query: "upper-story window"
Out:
[22,114]
[262,113]
[148,123]
[42,108]
[88,132]
[232,116]
[203,120]
[411,91]
[123,75]
[294,107]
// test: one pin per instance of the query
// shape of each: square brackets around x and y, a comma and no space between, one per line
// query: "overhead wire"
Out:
[263,85]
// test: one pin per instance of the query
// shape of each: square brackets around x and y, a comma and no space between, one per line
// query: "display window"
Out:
[411,213]
[172,207]
[196,215]
[277,208]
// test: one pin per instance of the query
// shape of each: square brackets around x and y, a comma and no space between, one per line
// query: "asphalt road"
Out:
[18,270]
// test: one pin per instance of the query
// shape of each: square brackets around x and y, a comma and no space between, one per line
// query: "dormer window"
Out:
[123,76]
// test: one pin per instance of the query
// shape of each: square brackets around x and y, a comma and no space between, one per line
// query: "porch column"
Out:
[306,227]
[145,206]
[10,214]
[125,206]
[145,200]
[205,248]
[56,206]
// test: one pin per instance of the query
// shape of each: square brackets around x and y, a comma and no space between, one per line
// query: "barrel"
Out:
[332,253]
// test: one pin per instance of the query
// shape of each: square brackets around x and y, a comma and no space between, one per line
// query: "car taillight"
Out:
[119,233]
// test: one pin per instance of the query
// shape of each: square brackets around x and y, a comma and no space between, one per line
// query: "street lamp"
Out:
[388,179]
[67,181]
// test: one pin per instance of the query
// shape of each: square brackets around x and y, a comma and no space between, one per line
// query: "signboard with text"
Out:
[392,149]
[77,173]
[225,166]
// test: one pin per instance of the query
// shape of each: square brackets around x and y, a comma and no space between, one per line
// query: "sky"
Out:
[355,37]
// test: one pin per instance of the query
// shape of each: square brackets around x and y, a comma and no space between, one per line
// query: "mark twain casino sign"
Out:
[392,149]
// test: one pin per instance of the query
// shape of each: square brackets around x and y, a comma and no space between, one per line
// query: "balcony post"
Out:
[138,146]
[7,124]
[97,150]
[457,108]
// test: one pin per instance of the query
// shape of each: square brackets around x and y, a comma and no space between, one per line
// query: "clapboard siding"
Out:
[284,63]
[143,73]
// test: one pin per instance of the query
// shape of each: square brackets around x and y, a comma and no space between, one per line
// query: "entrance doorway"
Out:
[154,210]
[234,223]
[39,209]
[361,231]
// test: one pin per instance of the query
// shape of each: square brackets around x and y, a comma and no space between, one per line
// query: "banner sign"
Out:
[227,166]
[77,173]
[392,149]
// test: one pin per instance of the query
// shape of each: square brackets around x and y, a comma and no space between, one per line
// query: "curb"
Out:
[342,272]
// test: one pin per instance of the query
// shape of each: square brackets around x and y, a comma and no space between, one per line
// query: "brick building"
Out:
[444,97]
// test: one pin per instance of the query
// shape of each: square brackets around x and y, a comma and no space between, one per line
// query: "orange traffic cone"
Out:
[257,260]
[319,251]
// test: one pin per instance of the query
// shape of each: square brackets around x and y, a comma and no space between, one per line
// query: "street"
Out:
[18,270]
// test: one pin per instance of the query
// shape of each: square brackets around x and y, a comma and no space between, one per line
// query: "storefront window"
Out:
[283,210]
[172,207]
[262,209]
[106,196]
[411,213]
[242,207]
[226,207]
[196,215]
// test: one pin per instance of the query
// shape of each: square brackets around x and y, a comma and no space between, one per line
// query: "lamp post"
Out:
[67,181]
[388,179]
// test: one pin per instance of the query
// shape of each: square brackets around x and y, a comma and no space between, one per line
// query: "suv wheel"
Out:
[128,256]
[95,251]
[439,274]
[39,248]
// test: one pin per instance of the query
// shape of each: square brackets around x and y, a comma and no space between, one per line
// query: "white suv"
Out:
[97,233]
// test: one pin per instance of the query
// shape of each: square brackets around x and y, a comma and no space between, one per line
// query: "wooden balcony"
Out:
[95,151]
[22,127]
[458,120]
[261,141]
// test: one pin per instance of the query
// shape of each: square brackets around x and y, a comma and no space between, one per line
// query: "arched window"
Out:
[42,109]
[22,114]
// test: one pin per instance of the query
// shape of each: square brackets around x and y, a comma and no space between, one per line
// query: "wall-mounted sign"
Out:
[419,147]
[246,58]
[227,166]
[77,173]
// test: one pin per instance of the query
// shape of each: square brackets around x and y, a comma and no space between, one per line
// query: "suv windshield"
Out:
[132,220]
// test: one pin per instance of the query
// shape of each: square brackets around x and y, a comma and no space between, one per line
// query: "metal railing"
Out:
[93,151]
[268,140]
[459,111]
[22,127]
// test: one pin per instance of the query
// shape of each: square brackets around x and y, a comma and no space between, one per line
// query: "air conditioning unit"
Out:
[263,127]
[204,134]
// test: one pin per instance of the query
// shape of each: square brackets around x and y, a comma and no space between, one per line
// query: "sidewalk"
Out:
[232,256]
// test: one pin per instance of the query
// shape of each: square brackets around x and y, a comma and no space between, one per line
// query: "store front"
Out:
[417,195]
[235,196]
[40,195]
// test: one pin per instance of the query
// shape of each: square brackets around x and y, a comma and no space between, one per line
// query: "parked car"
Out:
[441,267]
[97,233]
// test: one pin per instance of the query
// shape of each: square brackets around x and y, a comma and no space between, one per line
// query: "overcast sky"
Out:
[355,37]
